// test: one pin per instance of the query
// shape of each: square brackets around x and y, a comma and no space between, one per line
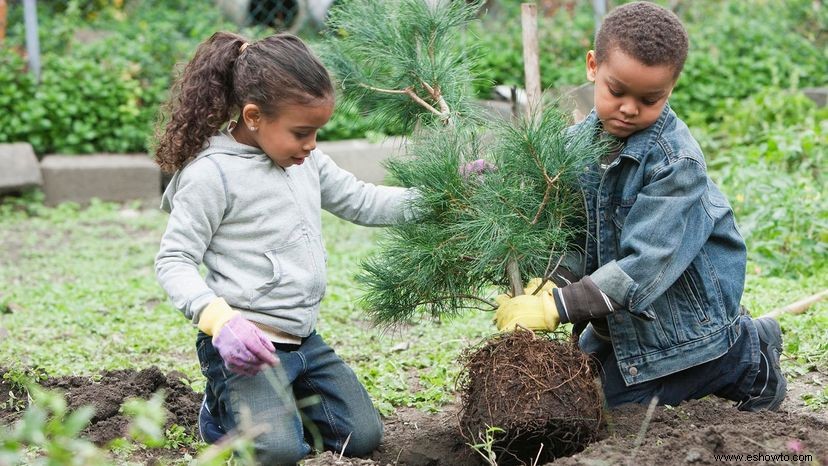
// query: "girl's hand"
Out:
[244,348]
[477,168]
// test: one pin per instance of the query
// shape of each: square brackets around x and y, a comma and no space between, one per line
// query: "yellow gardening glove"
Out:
[534,312]
[214,316]
[532,285]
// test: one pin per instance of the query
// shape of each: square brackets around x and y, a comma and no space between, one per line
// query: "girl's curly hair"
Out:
[222,77]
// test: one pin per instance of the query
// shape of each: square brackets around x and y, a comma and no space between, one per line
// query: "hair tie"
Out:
[243,48]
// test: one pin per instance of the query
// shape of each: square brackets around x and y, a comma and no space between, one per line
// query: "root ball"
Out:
[538,391]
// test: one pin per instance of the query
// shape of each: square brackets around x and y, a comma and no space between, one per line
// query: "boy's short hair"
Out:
[645,31]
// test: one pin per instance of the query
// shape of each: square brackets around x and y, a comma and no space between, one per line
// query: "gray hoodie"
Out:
[257,229]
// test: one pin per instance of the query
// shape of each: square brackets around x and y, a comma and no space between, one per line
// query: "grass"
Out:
[78,295]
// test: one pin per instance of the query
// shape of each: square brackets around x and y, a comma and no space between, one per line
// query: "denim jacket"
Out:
[662,242]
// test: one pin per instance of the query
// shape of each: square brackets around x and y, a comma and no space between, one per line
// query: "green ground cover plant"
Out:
[769,153]
[106,69]
[725,61]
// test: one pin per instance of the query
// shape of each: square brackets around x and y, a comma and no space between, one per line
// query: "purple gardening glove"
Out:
[244,347]
[477,167]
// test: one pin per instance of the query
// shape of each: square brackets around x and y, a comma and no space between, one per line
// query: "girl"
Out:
[246,202]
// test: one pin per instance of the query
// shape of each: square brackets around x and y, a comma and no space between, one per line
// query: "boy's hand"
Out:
[534,312]
[243,347]
[534,283]
[583,300]
[562,277]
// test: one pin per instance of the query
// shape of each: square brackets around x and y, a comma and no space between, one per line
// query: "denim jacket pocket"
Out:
[691,301]
[619,218]
[645,314]
[693,295]
[649,330]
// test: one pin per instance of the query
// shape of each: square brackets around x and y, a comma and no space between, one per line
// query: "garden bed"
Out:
[692,433]
[52,291]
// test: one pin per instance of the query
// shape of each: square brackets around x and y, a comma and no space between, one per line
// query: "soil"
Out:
[106,393]
[540,391]
[690,434]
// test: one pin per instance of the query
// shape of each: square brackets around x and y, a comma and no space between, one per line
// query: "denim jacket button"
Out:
[618,318]
[633,371]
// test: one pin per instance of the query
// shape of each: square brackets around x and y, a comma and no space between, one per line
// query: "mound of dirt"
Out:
[108,393]
[540,392]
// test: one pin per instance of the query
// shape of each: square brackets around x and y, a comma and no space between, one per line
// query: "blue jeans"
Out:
[332,403]
[729,376]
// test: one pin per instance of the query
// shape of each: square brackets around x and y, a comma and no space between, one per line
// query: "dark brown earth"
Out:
[539,390]
[107,393]
[690,434]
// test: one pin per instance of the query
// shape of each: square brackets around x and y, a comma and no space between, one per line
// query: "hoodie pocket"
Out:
[297,274]
[275,275]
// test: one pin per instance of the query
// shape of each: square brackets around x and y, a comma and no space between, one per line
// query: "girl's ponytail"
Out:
[200,101]
[227,73]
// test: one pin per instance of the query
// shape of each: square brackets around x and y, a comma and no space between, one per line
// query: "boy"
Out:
[663,263]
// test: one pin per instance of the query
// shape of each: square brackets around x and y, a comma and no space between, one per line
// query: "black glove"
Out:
[562,276]
[582,300]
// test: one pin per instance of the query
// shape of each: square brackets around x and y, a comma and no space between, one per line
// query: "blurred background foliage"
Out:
[107,65]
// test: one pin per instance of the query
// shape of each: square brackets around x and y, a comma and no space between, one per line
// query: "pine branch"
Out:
[377,47]
[400,58]
[443,114]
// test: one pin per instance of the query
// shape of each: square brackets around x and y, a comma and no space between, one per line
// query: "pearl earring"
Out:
[252,128]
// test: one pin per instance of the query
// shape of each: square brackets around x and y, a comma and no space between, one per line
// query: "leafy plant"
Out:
[176,437]
[486,446]
[147,419]
[19,381]
[816,401]
[17,86]
[724,62]
[48,426]
[106,67]
[769,153]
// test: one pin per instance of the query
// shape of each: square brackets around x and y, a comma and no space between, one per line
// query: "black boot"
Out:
[770,386]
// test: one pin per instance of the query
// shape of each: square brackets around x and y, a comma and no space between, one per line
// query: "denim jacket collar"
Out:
[638,143]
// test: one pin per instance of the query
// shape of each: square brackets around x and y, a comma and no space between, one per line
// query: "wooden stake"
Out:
[3,11]
[798,307]
[531,68]
[531,65]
